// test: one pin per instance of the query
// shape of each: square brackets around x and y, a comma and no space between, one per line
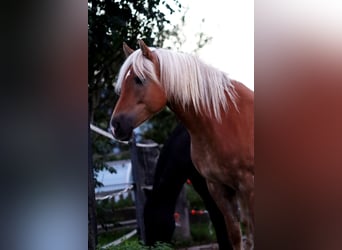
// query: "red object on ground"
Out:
[197,212]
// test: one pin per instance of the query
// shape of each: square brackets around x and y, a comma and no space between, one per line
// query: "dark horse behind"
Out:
[174,167]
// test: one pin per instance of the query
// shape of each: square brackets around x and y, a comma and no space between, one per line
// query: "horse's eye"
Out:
[137,80]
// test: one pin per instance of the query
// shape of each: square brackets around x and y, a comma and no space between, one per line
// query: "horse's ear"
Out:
[145,50]
[127,50]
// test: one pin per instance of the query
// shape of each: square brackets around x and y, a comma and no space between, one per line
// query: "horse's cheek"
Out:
[156,99]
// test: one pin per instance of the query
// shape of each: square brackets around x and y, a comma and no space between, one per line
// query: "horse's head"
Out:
[141,95]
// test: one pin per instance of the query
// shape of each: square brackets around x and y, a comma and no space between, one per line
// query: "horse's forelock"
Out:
[141,66]
[144,68]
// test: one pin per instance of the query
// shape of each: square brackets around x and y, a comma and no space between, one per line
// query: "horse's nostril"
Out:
[121,127]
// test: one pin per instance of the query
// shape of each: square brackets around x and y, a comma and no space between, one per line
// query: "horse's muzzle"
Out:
[121,127]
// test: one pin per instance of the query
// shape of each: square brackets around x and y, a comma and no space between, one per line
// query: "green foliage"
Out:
[202,233]
[135,245]
[195,201]
[131,244]
[108,211]
[160,126]
[107,237]
[110,23]
[122,203]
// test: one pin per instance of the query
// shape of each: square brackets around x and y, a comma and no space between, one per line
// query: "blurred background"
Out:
[51,50]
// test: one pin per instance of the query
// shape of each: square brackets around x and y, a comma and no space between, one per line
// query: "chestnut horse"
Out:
[218,113]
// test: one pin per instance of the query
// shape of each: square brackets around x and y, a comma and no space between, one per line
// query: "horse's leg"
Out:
[246,200]
[227,201]
[216,216]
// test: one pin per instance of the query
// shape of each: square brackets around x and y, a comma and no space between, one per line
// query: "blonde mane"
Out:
[185,78]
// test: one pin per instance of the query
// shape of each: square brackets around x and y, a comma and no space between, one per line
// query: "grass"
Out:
[134,244]
[202,233]
[107,237]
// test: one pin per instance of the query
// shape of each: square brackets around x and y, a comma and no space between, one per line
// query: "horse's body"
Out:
[217,112]
[173,168]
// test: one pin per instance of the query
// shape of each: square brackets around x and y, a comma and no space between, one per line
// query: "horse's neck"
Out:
[202,126]
[198,125]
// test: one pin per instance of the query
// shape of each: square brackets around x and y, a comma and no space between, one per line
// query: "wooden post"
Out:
[138,192]
[144,161]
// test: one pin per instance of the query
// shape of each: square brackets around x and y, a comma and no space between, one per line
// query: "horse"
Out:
[218,113]
[173,168]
